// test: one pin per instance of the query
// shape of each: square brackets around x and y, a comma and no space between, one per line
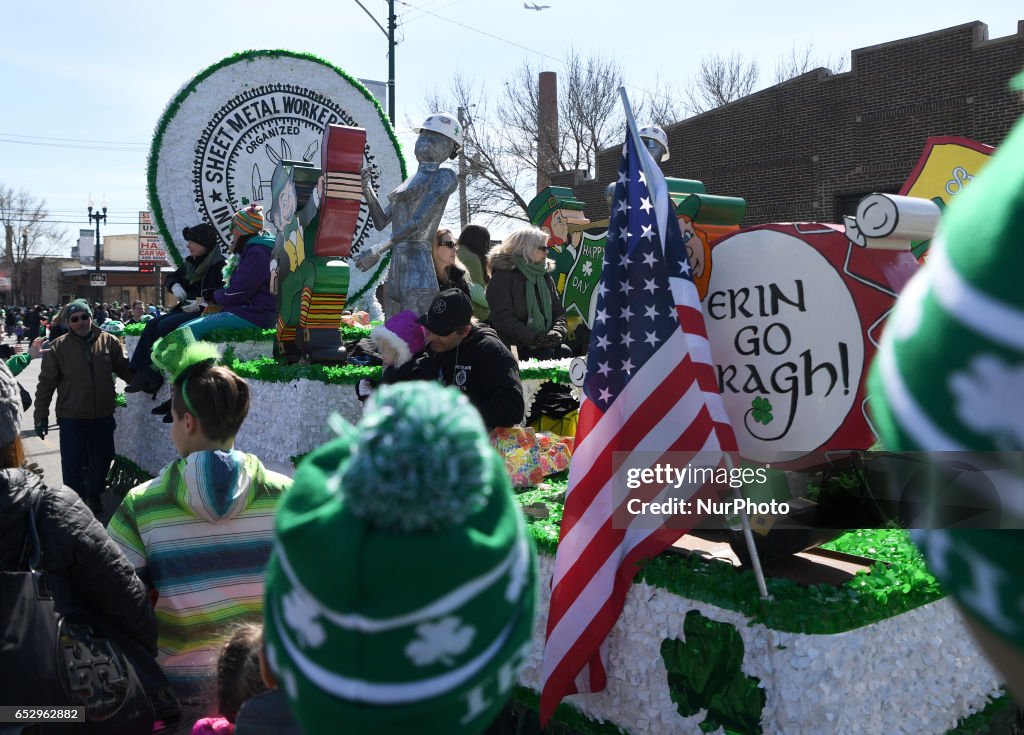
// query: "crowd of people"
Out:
[208,603]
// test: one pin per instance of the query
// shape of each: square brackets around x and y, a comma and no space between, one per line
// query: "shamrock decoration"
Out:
[440,641]
[588,268]
[980,393]
[705,673]
[301,613]
[762,408]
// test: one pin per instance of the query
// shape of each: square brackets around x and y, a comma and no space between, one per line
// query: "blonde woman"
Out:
[526,311]
[452,272]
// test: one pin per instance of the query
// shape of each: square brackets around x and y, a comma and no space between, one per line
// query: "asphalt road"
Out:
[46,452]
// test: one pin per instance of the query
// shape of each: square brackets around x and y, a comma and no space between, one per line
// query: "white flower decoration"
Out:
[982,398]
[440,641]
[301,613]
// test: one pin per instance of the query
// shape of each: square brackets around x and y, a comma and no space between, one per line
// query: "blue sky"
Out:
[86,83]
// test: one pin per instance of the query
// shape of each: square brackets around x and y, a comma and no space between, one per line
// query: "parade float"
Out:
[793,312]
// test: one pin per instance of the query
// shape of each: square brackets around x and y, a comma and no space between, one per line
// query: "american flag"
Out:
[650,387]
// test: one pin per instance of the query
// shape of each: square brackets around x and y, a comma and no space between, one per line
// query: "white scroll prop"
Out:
[892,222]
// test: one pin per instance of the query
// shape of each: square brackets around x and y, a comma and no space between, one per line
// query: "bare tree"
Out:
[502,138]
[720,80]
[661,106]
[32,235]
[801,61]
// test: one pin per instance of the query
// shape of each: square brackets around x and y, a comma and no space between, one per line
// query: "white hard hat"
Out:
[654,132]
[448,126]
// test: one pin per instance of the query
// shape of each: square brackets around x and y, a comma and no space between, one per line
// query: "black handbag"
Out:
[53,654]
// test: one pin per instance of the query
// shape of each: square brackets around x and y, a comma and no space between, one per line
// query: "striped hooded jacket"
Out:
[200,535]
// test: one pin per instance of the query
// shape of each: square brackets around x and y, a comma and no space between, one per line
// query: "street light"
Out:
[98,217]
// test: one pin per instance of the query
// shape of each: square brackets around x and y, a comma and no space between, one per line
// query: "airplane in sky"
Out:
[535,6]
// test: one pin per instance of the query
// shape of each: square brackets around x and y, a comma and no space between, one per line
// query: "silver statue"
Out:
[415,209]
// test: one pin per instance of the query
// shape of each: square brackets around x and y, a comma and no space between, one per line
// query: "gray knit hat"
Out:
[10,406]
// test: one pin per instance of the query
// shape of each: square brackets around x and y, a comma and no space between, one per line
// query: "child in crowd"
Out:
[200,533]
[423,627]
[238,678]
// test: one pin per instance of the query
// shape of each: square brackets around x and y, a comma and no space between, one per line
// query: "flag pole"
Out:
[631,123]
[748,536]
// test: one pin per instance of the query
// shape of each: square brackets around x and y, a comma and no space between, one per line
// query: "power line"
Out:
[484,33]
[72,145]
[563,62]
[73,140]
[424,11]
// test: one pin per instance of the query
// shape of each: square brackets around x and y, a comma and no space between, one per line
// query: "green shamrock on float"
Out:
[762,409]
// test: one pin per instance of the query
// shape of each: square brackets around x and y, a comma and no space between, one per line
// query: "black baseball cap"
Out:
[450,310]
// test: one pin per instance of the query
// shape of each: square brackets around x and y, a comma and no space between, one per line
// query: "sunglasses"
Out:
[448,244]
[82,318]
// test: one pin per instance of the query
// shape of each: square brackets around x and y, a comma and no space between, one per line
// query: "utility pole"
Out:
[463,202]
[391,61]
[390,33]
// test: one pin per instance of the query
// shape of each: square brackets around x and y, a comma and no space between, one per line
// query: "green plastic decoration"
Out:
[704,673]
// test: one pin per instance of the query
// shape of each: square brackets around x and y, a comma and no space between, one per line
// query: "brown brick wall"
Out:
[792,149]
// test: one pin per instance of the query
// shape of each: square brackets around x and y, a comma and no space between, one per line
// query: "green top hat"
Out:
[548,200]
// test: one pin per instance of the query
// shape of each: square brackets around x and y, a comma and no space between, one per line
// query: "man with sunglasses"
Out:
[80,366]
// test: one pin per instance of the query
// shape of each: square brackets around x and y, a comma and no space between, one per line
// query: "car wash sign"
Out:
[793,314]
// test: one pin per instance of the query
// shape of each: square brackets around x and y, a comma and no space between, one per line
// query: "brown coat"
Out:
[506,295]
[85,387]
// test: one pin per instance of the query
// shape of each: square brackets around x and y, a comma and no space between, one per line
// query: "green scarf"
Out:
[194,273]
[538,298]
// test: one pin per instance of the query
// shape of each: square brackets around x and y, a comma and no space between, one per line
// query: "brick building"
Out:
[809,148]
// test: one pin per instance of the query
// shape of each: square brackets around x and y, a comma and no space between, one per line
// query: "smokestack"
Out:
[547,128]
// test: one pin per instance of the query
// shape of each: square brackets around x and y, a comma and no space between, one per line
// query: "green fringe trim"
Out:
[519,717]
[256,334]
[999,716]
[899,580]
[190,87]
[124,475]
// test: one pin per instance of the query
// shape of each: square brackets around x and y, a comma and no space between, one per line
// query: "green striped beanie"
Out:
[949,376]
[401,590]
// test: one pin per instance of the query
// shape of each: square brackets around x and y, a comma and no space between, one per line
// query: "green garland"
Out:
[268,370]
[124,475]
[898,581]
[257,334]
[999,716]
[553,374]
[176,103]
[519,717]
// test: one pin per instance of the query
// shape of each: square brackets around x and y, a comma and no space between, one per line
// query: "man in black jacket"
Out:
[472,358]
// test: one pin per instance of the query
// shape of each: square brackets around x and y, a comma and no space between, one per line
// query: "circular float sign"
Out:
[787,342]
[218,142]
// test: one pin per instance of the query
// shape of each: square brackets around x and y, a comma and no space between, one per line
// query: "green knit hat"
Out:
[950,372]
[401,591]
[78,305]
